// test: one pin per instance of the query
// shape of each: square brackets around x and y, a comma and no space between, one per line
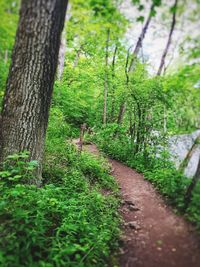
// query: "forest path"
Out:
[153,235]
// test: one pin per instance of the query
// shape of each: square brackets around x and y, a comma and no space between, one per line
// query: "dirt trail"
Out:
[153,236]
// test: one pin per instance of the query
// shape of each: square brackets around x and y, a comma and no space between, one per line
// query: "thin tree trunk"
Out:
[113,86]
[122,107]
[131,126]
[162,63]
[189,155]
[30,82]
[143,133]
[81,139]
[163,58]
[6,56]
[106,80]
[134,56]
[141,39]
[138,135]
[188,195]
[63,46]
[134,125]
[76,60]
[164,119]
[121,113]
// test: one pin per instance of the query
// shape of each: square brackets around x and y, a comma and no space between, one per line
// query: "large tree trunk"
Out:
[162,63]
[30,82]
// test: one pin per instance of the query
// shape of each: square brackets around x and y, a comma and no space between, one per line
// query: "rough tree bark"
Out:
[162,63]
[29,87]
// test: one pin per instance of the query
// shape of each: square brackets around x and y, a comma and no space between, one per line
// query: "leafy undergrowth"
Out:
[158,170]
[66,222]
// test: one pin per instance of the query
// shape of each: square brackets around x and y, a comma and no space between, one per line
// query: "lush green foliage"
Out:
[69,221]
[66,222]
[154,107]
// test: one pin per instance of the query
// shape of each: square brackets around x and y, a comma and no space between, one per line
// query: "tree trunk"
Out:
[29,87]
[113,86]
[137,48]
[76,60]
[162,63]
[139,129]
[164,119]
[188,195]
[140,39]
[121,113]
[63,46]
[6,56]
[106,80]
[122,107]
[189,155]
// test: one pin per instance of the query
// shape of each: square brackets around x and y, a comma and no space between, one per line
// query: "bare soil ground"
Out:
[153,235]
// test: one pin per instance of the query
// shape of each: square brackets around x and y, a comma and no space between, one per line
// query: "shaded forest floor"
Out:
[153,235]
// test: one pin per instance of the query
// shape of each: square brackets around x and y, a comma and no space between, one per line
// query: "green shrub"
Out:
[97,171]
[170,183]
[16,169]
[66,222]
